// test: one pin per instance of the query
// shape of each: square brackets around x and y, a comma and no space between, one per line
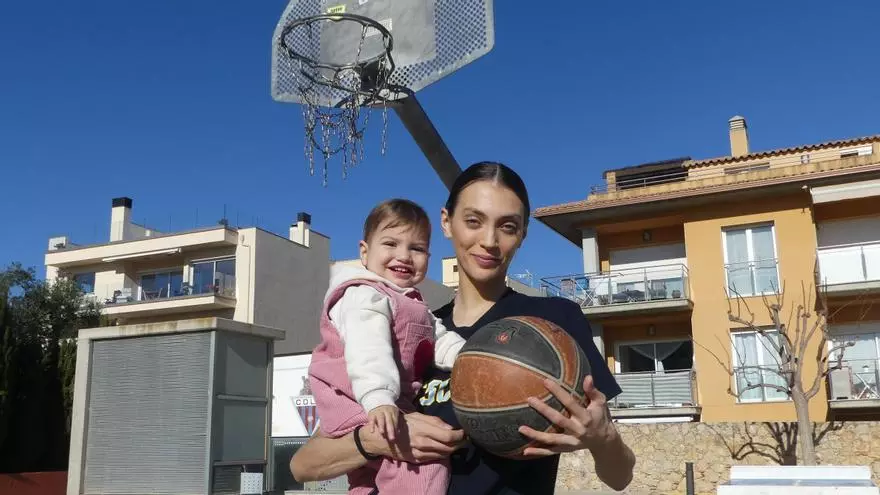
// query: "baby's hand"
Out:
[385,419]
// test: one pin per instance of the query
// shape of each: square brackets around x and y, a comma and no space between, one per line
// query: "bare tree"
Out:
[789,345]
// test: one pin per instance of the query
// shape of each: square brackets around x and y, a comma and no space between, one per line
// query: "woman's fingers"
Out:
[428,419]
[575,407]
[538,452]
[550,440]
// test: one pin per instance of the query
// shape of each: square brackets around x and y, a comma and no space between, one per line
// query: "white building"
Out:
[243,274]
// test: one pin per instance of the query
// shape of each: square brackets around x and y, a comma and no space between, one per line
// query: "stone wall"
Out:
[663,449]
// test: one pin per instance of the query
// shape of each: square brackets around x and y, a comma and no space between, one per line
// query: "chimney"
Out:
[739,136]
[299,232]
[120,219]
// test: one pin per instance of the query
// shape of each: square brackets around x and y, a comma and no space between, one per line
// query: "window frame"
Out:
[748,228]
[617,355]
[191,272]
[760,356]
[94,277]
[156,271]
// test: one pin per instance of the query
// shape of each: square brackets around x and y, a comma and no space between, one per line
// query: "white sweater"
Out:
[363,318]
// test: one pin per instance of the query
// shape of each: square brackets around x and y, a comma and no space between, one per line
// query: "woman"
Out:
[486,218]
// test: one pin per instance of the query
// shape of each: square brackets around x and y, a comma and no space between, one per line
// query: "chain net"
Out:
[362,77]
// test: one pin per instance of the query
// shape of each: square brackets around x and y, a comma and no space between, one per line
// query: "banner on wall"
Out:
[293,406]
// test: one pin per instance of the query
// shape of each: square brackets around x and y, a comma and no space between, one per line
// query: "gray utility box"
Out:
[181,407]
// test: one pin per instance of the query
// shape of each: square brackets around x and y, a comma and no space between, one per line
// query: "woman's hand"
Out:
[420,438]
[588,427]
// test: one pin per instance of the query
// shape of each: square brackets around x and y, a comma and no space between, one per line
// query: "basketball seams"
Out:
[537,371]
[568,370]
[498,409]
[542,332]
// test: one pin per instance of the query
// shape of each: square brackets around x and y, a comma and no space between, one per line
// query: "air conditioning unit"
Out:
[840,384]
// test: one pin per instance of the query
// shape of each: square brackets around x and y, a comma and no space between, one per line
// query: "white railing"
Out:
[752,278]
[849,263]
[120,295]
[653,283]
[655,389]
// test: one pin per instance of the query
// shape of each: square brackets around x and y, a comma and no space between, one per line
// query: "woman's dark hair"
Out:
[492,171]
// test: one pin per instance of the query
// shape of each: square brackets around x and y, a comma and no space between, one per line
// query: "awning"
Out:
[841,192]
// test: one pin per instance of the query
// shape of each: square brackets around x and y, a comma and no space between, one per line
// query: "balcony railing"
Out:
[120,295]
[752,278]
[849,263]
[653,283]
[858,379]
[655,389]
[641,182]
[780,167]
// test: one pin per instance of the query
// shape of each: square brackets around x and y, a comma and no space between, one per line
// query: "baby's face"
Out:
[399,254]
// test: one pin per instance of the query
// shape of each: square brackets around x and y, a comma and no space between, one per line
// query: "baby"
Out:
[377,339]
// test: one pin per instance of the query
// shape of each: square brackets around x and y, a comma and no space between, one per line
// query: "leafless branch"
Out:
[781,373]
[755,386]
[724,364]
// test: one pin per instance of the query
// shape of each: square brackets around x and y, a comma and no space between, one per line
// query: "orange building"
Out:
[669,247]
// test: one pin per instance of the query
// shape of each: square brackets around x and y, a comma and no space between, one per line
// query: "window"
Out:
[655,356]
[858,151]
[166,283]
[861,357]
[756,362]
[750,260]
[214,277]
[86,282]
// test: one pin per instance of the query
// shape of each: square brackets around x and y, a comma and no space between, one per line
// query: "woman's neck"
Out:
[473,300]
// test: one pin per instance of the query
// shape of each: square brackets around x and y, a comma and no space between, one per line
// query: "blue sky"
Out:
[167,102]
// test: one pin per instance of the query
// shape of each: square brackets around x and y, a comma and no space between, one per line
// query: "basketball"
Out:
[500,367]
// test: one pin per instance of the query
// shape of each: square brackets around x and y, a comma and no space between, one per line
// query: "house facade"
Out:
[670,248]
[244,274]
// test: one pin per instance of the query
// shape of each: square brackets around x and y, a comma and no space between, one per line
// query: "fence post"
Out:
[689,478]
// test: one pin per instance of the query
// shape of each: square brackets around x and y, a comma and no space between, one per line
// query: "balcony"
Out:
[157,298]
[652,289]
[655,394]
[850,269]
[856,385]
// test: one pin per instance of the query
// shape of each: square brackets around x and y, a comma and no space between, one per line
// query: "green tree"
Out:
[38,347]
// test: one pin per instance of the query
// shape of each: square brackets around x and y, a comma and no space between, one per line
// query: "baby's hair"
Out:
[401,212]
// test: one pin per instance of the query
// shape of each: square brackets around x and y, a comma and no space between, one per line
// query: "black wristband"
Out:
[360,446]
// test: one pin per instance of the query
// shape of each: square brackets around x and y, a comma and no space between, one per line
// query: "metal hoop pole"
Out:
[422,130]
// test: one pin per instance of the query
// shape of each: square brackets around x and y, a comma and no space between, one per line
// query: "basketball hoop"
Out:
[334,57]
[338,128]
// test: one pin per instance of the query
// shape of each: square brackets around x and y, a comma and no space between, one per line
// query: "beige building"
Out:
[243,274]
[670,246]
[450,279]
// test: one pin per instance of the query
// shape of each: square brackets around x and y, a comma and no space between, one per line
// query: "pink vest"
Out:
[413,350]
